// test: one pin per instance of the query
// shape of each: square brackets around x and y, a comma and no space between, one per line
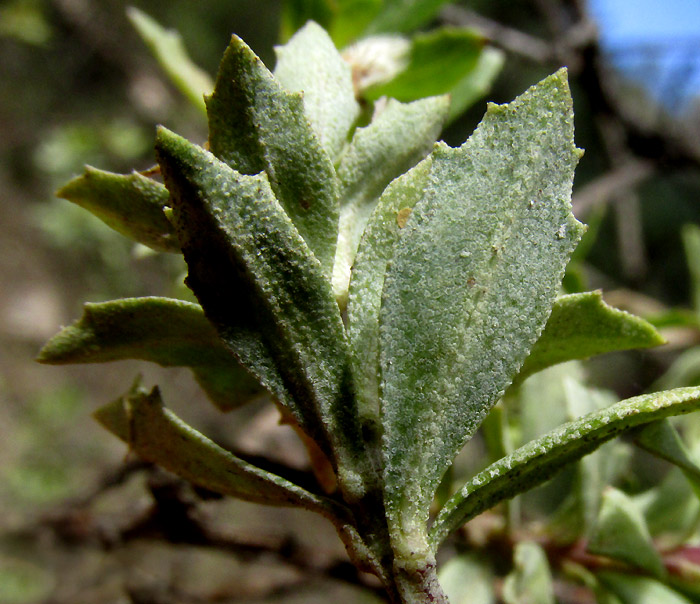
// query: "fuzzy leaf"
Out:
[375,251]
[168,49]
[582,326]
[263,289]
[621,533]
[473,278]
[437,63]
[396,139]
[530,582]
[256,125]
[539,460]
[466,580]
[169,332]
[157,435]
[310,64]
[631,589]
[130,204]
[404,15]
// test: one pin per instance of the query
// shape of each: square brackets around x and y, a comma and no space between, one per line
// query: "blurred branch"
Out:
[601,190]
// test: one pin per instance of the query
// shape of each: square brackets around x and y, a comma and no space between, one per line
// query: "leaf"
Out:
[404,15]
[169,332]
[130,204]
[256,125]
[684,371]
[438,61]
[365,292]
[472,281]
[621,533]
[167,47]
[691,243]
[351,19]
[466,580]
[157,435]
[310,64]
[539,460]
[296,13]
[530,582]
[662,440]
[263,289]
[582,326]
[671,509]
[395,141]
[639,590]
[475,83]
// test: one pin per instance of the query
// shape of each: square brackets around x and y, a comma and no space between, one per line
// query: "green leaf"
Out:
[472,281]
[539,460]
[438,61]
[256,125]
[396,140]
[157,435]
[662,440]
[621,533]
[671,509]
[310,64]
[691,243]
[467,580]
[351,19]
[684,371]
[296,13]
[476,82]
[530,582]
[263,289]
[583,325]
[169,332]
[130,204]
[167,47]
[365,293]
[632,589]
[404,15]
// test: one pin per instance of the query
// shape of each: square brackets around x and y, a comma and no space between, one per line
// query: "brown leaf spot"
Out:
[402,217]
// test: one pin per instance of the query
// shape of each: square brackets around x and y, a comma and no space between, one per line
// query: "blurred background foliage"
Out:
[80,87]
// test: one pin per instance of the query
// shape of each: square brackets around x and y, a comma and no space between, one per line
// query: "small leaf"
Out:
[466,580]
[632,589]
[167,47]
[365,292]
[539,460]
[256,125]
[437,63]
[404,15]
[263,289]
[581,326]
[396,140]
[621,533]
[662,440]
[157,435]
[472,281]
[530,582]
[130,204]
[169,332]
[310,64]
